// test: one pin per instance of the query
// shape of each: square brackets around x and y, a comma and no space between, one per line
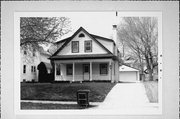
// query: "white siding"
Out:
[96,48]
[79,73]
[108,44]
[32,61]
[96,73]
[29,61]
[128,76]
[44,58]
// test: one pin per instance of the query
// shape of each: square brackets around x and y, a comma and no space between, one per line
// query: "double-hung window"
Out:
[75,46]
[69,69]
[88,46]
[33,69]
[104,68]
[24,69]
[58,69]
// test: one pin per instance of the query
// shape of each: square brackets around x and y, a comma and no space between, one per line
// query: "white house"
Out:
[86,57]
[128,74]
[29,63]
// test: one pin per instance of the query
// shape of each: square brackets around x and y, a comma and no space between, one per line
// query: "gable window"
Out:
[88,46]
[75,46]
[24,69]
[69,69]
[104,68]
[81,35]
[58,69]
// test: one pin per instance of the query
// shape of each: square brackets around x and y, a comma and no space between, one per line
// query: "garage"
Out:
[128,74]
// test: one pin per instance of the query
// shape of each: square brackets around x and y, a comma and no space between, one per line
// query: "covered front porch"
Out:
[85,70]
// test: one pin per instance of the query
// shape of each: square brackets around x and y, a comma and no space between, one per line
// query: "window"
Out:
[69,69]
[104,68]
[34,52]
[33,69]
[24,69]
[81,35]
[88,46]
[75,46]
[58,69]
[25,53]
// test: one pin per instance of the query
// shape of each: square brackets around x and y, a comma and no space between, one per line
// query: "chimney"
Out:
[115,28]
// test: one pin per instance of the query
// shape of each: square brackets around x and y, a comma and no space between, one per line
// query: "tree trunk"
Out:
[149,69]
[150,75]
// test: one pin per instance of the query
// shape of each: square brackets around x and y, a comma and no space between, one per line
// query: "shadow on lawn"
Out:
[41,106]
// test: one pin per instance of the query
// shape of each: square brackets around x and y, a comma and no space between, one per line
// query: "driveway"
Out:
[127,97]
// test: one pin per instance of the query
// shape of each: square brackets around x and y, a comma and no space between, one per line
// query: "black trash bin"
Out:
[83,97]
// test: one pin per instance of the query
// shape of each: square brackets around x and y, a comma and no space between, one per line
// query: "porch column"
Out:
[54,71]
[90,71]
[73,71]
[61,72]
[110,72]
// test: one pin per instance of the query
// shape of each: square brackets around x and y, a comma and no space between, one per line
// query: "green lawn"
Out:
[64,91]
[41,106]
[151,90]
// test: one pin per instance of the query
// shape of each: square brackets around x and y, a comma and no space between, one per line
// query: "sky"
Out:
[98,23]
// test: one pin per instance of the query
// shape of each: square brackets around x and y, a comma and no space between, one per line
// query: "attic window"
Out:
[88,46]
[81,35]
[75,46]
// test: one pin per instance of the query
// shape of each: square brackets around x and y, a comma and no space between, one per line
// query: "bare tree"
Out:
[36,31]
[140,35]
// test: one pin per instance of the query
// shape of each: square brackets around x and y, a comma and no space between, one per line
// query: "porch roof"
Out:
[86,56]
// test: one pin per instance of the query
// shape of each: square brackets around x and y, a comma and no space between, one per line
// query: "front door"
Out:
[86,72]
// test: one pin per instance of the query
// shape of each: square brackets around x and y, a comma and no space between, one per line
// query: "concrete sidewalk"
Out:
[57,102]
[127,96]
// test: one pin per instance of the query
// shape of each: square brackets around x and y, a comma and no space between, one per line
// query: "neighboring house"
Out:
[86,57]
[128,74]
[29,63]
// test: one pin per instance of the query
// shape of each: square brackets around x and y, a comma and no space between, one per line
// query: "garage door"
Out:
[128,76]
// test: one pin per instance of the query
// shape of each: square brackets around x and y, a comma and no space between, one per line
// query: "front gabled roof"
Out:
[103,38]
[67,40]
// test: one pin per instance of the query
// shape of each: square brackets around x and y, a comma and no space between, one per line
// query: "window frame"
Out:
[67,69]
[24,69]
[32,69]
[72,48]
[58,69]
[101,66]
[25,52]
[81,35]
[86,46]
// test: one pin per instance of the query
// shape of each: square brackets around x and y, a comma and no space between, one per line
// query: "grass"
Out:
[40,106]
[64,91]
[151,88]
